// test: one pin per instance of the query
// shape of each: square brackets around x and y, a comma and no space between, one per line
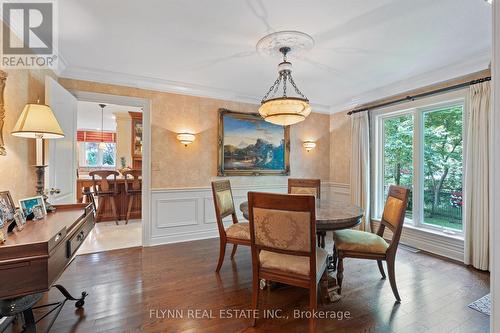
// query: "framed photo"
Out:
[250,146]
[32,205]
[7,208]
[20,220]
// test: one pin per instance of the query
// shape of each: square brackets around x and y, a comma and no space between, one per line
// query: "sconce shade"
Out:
[185,138]
[37,121]
[309,145]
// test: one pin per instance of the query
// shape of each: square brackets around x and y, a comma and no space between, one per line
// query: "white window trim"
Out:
[417,109]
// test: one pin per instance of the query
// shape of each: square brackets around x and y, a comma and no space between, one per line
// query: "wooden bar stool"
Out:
[104,189]
[133,188]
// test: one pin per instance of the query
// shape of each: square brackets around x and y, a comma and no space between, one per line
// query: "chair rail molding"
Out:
[187,214]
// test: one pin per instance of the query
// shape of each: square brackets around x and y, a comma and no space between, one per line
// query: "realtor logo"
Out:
[28,34]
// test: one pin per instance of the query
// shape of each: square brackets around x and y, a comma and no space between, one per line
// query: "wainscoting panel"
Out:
[185,214]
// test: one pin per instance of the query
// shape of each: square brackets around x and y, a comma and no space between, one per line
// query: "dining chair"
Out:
[237,233]
[367,245]
[105,189]
[133,188]
[308,186]
[305,186]
[283,244]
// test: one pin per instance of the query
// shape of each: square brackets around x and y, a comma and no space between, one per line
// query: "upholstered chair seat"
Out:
[239,230]
[293,264]
[359,241]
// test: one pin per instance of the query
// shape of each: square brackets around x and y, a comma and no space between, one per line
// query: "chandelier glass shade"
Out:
[284,110]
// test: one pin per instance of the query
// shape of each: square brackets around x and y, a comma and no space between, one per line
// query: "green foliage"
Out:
[108,154]
[398,151]
[442,149]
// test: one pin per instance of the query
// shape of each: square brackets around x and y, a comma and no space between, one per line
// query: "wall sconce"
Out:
[186,138]
[309,145]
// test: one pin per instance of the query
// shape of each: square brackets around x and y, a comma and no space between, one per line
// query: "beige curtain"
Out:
[360,165]
[477,145]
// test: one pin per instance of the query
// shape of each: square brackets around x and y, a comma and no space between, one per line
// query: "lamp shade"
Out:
[285,111]
[37,121]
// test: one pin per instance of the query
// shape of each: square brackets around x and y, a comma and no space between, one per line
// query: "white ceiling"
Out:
[89,115]
[364,49]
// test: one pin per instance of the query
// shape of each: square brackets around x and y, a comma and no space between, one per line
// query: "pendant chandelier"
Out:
[102,145]
[284,110]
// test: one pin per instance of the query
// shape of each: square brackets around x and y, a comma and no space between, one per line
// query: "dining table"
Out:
[331,214]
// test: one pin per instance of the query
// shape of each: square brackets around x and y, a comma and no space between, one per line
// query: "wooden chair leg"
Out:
[129,209]
[381,268]
[323,287]
[340,273]
[235,246]
[255,295]
[313,306]
[392,277]
[113,206]
[99,208]
[222,253]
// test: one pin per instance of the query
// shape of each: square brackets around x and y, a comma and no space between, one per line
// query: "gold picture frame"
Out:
[252,164]
[3,78]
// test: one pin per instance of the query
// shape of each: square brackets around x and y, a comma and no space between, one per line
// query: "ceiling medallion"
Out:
[286,109]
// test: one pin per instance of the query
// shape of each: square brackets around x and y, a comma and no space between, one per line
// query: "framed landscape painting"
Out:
[250,146]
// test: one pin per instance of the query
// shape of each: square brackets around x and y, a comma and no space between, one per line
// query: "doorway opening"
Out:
[109,141]
[103,158]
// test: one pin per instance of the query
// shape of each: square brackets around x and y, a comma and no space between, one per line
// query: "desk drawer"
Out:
[79,236]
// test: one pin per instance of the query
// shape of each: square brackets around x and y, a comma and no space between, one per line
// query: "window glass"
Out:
[398,154]
[91,153]
[443,167]
[95,154]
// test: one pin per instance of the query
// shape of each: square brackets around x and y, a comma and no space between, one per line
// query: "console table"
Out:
[33,259]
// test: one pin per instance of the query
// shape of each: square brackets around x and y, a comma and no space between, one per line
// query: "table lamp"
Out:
[37,121]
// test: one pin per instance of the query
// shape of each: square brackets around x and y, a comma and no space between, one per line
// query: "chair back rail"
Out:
[394,214]
[224,203]
[132,181]
[305,186]
[101,181]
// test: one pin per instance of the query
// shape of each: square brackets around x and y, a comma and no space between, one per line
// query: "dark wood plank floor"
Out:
[124,286]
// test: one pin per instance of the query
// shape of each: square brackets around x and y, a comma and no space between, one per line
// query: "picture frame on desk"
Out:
[20,219]
[7,208]
[30,206]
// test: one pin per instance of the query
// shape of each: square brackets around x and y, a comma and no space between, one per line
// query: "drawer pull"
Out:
[80,236]
[58,237]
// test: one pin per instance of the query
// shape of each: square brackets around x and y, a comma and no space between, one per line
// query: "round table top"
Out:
[330,214]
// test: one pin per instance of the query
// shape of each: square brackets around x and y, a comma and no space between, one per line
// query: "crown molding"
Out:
[149,83]
[474,64]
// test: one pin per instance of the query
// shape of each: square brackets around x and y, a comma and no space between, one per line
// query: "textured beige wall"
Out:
[123,138]
[340,148]
[174,165]
[17,173]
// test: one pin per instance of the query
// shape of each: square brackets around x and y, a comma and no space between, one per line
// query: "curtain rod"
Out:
[425,94]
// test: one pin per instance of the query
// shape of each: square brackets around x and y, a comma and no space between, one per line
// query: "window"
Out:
[92,155]
[398,153]
[422,148]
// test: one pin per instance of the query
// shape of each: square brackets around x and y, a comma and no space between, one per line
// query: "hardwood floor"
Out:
[124,285]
